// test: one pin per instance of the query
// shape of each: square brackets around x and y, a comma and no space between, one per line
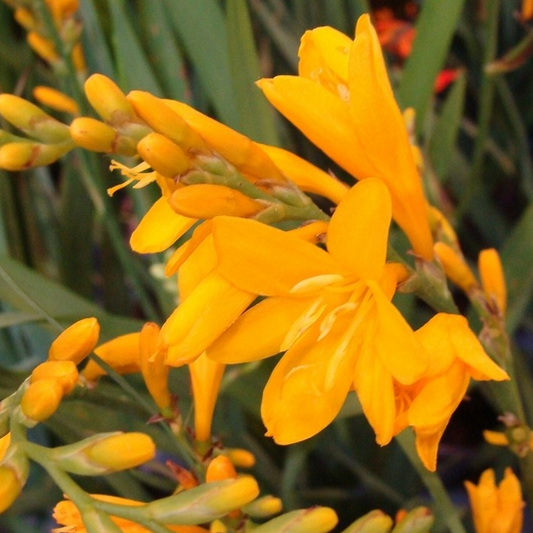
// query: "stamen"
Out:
[303,323]
[316,283]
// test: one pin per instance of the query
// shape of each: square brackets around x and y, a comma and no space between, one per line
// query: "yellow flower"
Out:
[427,405]
[331,312]
[343,102]
[76,342]
[496,508]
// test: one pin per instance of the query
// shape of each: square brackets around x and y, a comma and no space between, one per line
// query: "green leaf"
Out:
[256,116]
[517,259]
[201,27]
[134,70]
[442,143]
[28,292]
[8,319]
[434,31]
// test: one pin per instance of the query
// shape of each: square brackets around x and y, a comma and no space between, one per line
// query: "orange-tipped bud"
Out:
[55,99]
[263,507]
[41,399]
[63,371]
[312,520]
[43,47]
[120,353]
[455,267]
[32,119]
[108,100]
[220,468]
[122,451]
[76,342]
[96,136]
[492,278]
[25,18]
[24,155]
[207,201]
[153,367]
[164,120]
[163,155]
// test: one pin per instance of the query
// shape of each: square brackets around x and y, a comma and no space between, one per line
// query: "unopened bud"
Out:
[32,120]
[96,136]
[492,278]
[108,100]
[240,457]
[163,155]
[120,353]
[41,399]
[24,155]
[104,453]
[55,99]
[10,487]
[204,503]
[207,201]
[164,120]
[63,371]
[312,520]
[419,520]
[373,522]
[263,507]
[5,441]
[455,267]
[25,18]
[43,47]
[76,342]
[217,526]
[220,468]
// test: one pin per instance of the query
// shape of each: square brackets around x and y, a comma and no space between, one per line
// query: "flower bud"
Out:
[241,458]
[24,155]
[153,367]
[76,342]
[96,136]
[204,503]
[373,522]
[418,520]
[25,18]
[207,201]
[63,371]
[455,267]
[220,468]
[312,520]
[41,399]
[164,120]
[120,353]
[32,120]
[263,507]
[163,155]
[492,278]
[43,47]
[108,100]
[104,453]
[5,441]
[10,487]
[55,99]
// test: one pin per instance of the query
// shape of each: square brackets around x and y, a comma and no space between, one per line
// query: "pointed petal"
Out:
[264,260]
[207,311]
[433,406]
[375,390]
[427,447]
[297,403]
[361,221]
[308,177]
[379,124]
[399,349]
[259,332]
[160,228]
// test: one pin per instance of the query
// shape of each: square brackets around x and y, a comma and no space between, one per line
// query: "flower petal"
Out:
[160,228]
[207,311]
[297,403]
[399,349]
[264,260]
[361,222]
[259,332]
[427,447]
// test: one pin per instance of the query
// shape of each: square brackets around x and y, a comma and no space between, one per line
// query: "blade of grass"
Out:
[435,27]
[256,117]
